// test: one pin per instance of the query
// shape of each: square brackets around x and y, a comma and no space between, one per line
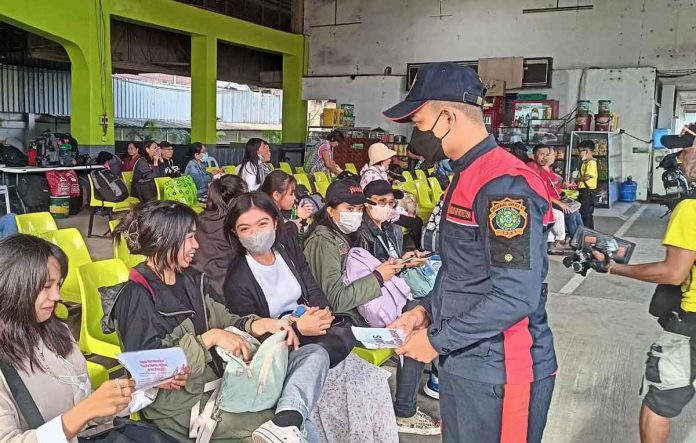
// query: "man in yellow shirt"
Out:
[670,370]
[587,182]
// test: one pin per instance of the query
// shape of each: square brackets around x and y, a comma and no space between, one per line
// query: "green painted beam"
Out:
[203,88]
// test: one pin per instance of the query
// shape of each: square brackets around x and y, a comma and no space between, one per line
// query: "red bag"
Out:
[63,183]
[31,157]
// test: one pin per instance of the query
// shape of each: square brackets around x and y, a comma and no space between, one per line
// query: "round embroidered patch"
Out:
[508,258]
[508,217]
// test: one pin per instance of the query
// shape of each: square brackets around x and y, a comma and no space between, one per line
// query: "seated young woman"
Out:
[41,350]
[214,248]
[328,242]
[183,311]
[281,186]
[271,278]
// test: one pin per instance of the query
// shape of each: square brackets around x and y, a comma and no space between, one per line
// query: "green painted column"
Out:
[203,88]
[294,108]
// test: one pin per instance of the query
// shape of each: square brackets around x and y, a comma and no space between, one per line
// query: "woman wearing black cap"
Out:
[327,244]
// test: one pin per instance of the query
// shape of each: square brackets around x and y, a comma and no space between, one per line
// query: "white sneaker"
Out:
[269,432]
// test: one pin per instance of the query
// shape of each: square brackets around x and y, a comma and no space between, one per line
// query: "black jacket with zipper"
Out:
[244,296]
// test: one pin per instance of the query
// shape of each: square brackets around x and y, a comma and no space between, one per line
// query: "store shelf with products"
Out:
[608,155]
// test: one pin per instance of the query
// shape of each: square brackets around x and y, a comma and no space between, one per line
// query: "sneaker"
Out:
[421,424]
[432,388]
[269,432]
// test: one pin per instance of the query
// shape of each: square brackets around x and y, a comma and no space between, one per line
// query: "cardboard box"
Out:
[510,69]
[495,88]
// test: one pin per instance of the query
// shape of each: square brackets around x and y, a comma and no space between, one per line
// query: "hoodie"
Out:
[214,249]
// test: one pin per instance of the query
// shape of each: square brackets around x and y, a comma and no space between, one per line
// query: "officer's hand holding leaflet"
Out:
[412,320]
[418,347]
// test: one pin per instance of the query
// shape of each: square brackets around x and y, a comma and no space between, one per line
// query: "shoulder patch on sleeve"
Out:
[508,232]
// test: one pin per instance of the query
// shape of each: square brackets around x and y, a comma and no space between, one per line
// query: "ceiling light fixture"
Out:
[558,8]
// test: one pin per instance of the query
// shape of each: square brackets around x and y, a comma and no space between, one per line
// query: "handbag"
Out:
[256,385]
[147,189]
[123,430]
[665,300]
[421,280]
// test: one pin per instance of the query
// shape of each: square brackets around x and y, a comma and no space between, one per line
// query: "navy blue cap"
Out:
[447,82]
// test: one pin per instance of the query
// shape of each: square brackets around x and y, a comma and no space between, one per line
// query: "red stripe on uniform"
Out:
[515,413]
[519,375]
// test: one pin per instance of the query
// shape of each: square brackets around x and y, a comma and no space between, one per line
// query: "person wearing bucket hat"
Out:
[667,389]
[486,317]
[377,168]
[327,245]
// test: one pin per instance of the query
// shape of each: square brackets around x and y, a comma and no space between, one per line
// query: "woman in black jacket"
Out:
[271,277]
[145,170]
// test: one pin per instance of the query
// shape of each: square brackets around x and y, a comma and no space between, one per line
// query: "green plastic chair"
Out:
[407,175]
[230,169]
[299,170]
[121,251]
[435,188]
[285,166]
[320,176]
[97,374]
[302,179]
[420,175]
[73,245]
[351,167]
[159,183]
[128,180]
[375,356]
[91,277]
[425,203]
[431,171]
[36,223]
[410,186]
[322,186]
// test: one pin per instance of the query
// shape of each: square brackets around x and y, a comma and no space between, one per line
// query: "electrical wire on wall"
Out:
[101,53]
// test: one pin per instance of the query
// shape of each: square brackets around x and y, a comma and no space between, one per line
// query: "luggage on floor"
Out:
[32,190]
[12,157]
[63,183]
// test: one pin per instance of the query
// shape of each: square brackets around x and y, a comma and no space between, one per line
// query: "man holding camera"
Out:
[486,320]
[671,366]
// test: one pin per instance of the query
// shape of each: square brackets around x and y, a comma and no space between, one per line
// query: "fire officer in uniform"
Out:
[486,318]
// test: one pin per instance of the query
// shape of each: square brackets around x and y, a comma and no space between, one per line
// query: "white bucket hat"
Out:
[379,152]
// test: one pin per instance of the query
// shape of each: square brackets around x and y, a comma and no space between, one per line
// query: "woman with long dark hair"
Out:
[132,156]
[175,305]
[280,186]
[254,167]
[197,169]
[145,170]
[39,348]
[215,250]
[327,245]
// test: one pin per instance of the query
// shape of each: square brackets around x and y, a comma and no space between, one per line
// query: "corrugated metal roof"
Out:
[172,124]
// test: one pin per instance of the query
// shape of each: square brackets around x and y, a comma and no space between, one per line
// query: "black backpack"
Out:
[12,157]
[33,192]
[109,187]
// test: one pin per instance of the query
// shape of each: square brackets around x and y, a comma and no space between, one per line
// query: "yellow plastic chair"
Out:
[121,251]
[97,374]
[36,223]
[230,169]
[73,245]
[425,203]
[410,186]
[299,170]
[159,183]
[285,166]
[322,186]
[375,356]
[109,207]
[435,188]
[320,176]
[431,171]
[302,179]
[212,169]
[407,175]
[351,167]
[420,175]
[128,180]
[91,277]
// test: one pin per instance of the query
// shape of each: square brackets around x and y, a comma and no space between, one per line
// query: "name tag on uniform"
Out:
[459,212]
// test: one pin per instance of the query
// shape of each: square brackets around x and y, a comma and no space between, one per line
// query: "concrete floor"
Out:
[602,332]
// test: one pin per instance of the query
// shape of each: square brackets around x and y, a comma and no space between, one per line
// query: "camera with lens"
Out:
[586,241]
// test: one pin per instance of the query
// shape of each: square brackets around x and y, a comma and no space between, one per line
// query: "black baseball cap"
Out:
[345,191]
[684,140]
[381,187]
[447,82]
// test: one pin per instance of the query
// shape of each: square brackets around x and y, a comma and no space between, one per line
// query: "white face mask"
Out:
[379,213]
[259,243]
[349,222]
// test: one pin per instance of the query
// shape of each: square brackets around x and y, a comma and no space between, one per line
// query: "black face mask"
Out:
[425,143]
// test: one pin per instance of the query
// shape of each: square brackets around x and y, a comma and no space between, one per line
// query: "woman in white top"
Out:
[255,164]
[39,347]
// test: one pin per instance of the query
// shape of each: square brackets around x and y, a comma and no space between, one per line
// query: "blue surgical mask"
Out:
[205,157]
